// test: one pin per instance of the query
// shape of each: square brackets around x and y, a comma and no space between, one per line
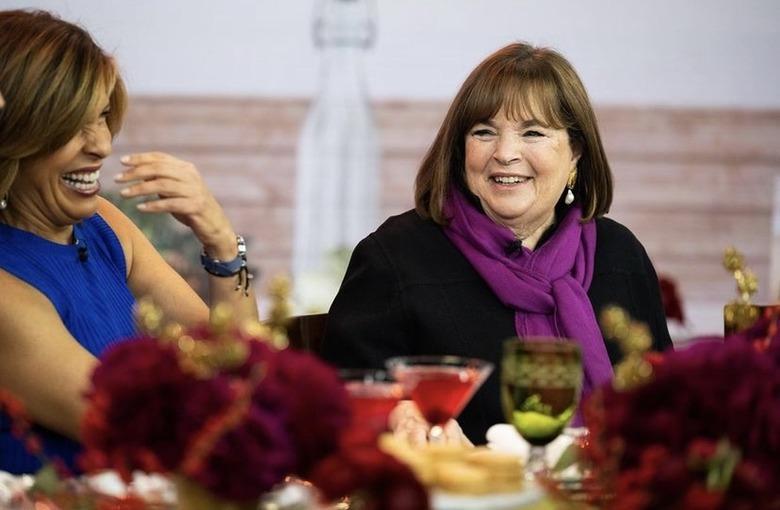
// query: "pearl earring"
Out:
[570,187]
[569,196]
[4,202]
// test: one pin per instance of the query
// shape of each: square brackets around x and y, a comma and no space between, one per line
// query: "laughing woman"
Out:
[71,264]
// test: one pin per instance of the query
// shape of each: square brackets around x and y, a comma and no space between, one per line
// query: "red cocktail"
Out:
[373,394]
[440,386]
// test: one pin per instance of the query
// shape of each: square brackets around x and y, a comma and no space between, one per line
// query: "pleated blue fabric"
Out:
[86,282]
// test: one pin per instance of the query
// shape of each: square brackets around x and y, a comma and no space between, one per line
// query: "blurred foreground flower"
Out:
[702,433]
[215,405]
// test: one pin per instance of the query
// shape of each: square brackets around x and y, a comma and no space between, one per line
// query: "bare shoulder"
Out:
[116,219]
[124,228]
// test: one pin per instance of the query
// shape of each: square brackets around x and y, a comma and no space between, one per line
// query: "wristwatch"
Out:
[226,268]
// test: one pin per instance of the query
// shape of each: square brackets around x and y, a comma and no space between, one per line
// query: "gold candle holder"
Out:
[740,313]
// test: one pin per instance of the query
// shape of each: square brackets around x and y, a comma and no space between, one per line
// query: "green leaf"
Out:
[721,466]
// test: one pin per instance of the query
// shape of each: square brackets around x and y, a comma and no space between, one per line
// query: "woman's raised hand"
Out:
[175,186]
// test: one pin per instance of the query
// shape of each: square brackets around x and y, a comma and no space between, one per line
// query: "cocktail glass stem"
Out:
[537,463]
[436,434]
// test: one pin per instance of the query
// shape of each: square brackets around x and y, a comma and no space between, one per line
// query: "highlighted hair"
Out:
[52,74]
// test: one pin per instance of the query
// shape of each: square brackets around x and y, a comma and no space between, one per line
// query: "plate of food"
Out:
[529,494]
[463,478]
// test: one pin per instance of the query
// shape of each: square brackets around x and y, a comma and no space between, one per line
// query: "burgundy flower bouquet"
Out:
[218,406]
[231,416]
[702,433]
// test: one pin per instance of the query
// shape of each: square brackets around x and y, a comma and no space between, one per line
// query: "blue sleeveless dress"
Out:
[92,298]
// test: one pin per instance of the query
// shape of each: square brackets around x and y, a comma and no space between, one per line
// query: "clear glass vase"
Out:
[338,156]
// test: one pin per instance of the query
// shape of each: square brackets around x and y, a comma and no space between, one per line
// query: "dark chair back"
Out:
[306,332]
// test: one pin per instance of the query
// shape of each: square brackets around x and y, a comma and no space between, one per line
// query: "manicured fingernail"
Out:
[124,192]
[119,176]
[142,206]
[125,159]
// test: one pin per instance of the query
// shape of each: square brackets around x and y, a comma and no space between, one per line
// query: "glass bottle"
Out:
[337,161]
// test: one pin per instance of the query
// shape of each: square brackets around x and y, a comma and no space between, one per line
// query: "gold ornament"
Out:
[279,293]
[740,313]
[221,349]
[634,339]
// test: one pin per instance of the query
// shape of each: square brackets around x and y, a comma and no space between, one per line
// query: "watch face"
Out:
[241,245]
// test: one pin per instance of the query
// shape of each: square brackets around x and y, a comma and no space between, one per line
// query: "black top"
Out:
[409,291]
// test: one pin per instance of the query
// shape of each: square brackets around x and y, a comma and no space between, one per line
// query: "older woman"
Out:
[507,238]
[71,264]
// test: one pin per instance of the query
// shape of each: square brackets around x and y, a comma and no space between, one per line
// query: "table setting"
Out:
[723,466]
[222,417]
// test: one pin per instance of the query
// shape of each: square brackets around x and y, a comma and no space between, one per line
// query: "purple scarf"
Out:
[547,287]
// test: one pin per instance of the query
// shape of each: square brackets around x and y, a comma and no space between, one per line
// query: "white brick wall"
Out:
[687,182]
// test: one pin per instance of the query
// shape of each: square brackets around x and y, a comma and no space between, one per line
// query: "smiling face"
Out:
[59,189]
[518,168]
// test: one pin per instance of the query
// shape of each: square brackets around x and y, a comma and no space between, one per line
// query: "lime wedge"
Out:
[536,425]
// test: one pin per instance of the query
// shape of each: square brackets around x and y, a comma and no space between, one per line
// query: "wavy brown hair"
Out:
[50,74]
[529,82]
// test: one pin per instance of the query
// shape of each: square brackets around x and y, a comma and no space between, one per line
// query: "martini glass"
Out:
[541,380]
[373,395]
[440,386]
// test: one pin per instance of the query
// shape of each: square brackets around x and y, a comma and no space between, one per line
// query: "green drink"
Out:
[540,387]
[539,414]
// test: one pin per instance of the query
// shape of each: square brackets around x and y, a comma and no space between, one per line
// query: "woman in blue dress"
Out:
[71,264]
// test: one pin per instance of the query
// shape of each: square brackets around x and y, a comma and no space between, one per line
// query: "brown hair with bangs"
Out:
[529,82]
[50,73]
